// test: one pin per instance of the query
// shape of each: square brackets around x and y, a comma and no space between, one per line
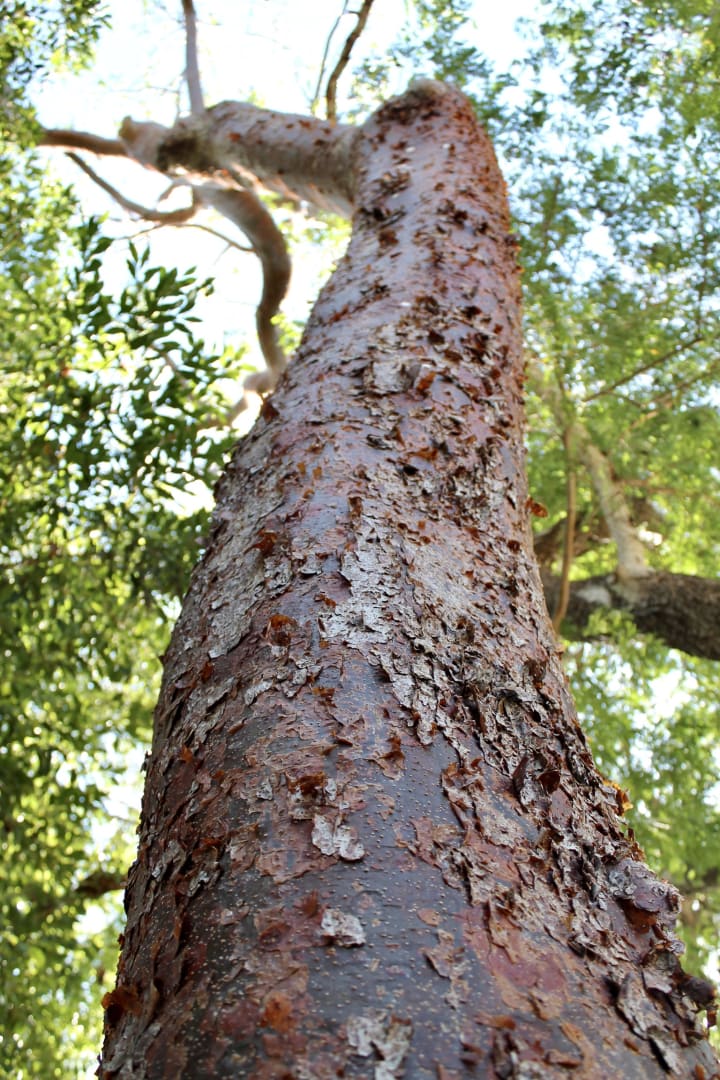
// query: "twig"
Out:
[192,70]
[646,367]
[669,397]
[82,140]
[218,236]
[571,489]
[162,217]
[323,62]
[331,91]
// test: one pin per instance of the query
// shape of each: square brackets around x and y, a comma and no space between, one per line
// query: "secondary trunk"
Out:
[373,841]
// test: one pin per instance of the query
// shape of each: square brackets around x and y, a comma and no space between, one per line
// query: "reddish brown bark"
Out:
[373,840]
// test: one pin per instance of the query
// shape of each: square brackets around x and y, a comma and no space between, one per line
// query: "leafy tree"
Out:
[111,403]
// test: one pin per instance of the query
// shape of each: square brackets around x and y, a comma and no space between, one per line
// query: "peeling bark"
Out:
[681,610]
[373,841]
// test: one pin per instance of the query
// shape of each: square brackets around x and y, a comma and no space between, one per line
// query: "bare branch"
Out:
[65,138]
[162,217]
[227,240]
[192,70]
[323,62]
[246,211]
[331,91]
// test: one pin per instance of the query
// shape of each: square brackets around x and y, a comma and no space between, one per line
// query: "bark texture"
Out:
[681,610]
[373,841]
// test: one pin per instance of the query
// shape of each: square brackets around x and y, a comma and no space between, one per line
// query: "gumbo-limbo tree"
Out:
[374,840]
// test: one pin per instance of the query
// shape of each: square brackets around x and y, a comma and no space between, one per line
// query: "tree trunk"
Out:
[373,841]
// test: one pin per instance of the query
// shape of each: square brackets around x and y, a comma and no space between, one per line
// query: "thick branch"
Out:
[293,156]
[82,140]
[162,217]
[632,562]
[681,610]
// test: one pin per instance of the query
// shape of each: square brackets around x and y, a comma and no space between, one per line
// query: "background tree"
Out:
[615,277]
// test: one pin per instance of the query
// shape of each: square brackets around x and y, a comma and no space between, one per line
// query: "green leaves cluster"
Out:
[665,756]
[34,38]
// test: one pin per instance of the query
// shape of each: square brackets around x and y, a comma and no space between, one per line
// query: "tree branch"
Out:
[294,156]
[246,211]
[656,362]
[323,61]
[65,138]
[99,883]
[681,610]
[192,70]
[162,217]
[227,240]
[331,91]
[632,562]
[569,540]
